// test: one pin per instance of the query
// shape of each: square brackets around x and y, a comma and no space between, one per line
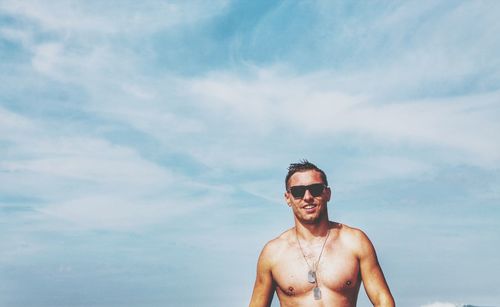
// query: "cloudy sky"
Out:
[144,144]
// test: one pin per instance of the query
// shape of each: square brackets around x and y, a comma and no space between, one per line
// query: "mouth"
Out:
[309,208]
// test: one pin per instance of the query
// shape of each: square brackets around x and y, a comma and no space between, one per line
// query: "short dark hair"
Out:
[303,165]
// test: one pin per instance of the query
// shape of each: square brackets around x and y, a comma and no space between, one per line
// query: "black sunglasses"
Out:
[315,189]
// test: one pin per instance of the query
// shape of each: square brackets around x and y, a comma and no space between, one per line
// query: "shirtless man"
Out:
[318,262]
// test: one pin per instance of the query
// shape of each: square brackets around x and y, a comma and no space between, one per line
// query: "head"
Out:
[307,192]
[303,166]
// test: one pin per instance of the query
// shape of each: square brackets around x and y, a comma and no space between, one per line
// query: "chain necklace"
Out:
[312,276]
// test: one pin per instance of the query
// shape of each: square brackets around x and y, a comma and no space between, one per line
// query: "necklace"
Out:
[312,277]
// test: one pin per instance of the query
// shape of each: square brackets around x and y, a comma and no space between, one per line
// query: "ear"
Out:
[287,198]
[328,194]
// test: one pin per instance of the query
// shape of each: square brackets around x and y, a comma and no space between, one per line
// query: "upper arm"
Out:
[264,286]
[373,279]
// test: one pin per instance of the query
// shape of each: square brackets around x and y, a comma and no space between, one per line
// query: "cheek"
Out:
[296,209]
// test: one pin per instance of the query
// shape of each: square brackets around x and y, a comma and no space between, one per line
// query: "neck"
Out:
[310,232]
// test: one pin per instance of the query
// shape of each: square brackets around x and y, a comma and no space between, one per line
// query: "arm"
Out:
[264,286]
[373,279]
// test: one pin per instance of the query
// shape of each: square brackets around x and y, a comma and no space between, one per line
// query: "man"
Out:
[317,262]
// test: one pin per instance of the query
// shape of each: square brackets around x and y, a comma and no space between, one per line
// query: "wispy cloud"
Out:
[113,17]
[89,181]
[307,103]
[440,304]
[224,120]
[178,120]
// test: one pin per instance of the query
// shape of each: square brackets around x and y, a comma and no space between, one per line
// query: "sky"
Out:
[144,144]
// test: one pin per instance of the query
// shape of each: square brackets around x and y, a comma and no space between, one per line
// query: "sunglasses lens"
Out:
[300,190]
[316,189]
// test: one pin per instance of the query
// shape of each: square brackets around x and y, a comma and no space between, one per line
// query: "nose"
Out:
[308,196]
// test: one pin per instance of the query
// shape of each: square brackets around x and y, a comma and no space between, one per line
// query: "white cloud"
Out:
[410,49]
[17,245]
[139,92]
[46,57]
[86,159]
[12,123]
[155,119]
[373,168]
[223,119]
[92,184]
[440,304]
[18,35]
[115,211]
[75,41]
[260,102]
[104,135]
[464,125]
[111,17]
[88,181]
[266,189]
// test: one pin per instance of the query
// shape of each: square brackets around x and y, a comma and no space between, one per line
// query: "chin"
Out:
[310,221]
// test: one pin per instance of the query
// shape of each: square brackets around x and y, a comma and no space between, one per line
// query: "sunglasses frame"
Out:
[312,188]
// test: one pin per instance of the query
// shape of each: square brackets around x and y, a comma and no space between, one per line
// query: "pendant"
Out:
[317,293]
[311,277]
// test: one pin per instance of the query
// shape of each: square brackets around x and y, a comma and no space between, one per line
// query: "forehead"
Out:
[305,178]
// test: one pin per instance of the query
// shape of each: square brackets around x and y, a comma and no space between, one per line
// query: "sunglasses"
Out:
[315,189]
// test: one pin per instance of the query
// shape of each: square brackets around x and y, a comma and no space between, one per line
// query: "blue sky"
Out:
[143,145]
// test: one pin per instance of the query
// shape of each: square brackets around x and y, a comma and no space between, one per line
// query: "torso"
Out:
[338,271]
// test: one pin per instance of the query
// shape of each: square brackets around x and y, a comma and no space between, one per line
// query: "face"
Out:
[308,209]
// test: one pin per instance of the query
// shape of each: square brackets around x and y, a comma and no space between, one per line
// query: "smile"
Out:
[309,207]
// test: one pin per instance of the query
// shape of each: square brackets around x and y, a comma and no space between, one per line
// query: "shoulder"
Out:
[352,233]
[355,238]
[276,247]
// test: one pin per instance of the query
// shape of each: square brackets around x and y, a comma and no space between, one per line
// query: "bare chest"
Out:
[337,273]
